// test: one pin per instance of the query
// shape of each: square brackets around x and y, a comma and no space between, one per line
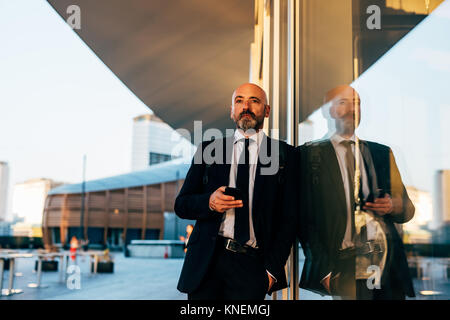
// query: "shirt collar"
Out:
[257,137]
[338,139]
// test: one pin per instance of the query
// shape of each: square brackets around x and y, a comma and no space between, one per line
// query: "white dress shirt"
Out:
[227,225]
[340,153]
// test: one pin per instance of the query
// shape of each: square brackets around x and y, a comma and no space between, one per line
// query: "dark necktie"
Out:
[241,224]
[350,166]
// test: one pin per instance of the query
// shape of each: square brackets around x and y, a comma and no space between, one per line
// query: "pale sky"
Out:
[58,101]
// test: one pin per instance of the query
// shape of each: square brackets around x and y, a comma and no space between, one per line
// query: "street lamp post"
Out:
[83,191]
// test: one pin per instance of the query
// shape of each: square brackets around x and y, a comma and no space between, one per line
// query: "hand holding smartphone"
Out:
[220,201]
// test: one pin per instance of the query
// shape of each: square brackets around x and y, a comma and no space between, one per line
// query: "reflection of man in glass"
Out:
[348,256]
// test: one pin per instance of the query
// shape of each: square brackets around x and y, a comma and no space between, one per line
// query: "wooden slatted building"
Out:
[116,209]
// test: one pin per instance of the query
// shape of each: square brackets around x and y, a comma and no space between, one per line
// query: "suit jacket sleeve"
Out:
[192,201]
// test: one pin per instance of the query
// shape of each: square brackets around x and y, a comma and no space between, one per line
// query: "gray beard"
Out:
[345,128]
[246,124]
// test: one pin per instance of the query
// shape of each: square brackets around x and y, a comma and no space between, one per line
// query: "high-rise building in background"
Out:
[4,182]
[154,141]
[443,204]
[28,205]
[442,212]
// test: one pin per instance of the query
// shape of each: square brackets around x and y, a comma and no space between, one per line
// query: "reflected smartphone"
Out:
[371,198]
[380,193]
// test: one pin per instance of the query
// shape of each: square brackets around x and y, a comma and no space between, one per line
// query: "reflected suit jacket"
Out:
[323,216]
[273,213]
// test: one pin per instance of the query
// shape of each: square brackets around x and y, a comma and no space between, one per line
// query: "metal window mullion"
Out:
[292,123]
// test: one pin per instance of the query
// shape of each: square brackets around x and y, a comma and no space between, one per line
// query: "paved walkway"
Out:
[133,279]
[140,279]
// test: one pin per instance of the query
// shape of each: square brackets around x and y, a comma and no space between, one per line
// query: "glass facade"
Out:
[385,63]
[156,158]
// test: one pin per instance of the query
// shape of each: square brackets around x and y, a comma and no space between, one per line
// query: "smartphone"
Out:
[379,193]
[234,192]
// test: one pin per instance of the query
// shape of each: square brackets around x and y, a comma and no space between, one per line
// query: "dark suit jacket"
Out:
[274,206]
[324,216]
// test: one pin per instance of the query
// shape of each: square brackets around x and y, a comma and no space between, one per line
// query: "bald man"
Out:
[241,240]
[327,185]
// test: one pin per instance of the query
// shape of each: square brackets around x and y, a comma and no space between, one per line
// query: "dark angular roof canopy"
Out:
[182,58]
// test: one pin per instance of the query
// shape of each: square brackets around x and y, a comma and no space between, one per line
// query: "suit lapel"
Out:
[224,168]
[259,179]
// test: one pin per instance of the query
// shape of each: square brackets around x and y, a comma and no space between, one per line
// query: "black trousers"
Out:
[344,286]
[233,276]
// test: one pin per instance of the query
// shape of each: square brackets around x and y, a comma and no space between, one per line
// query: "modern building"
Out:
[443,190]
[154,141]
[442,211]
[4,183]
[117,209]
[28,205]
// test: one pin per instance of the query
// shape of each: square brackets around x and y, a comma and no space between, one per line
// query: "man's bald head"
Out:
[252,89]
[340,91]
